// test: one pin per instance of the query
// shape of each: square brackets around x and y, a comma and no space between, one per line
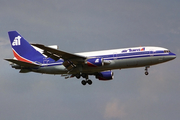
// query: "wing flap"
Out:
[69,65]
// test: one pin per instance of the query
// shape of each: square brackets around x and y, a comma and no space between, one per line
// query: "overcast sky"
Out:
[81,25]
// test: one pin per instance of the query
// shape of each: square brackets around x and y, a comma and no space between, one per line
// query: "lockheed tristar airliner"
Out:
[49,60]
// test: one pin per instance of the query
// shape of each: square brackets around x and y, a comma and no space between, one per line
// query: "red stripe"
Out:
[20,58]
[142,49]
[91,65]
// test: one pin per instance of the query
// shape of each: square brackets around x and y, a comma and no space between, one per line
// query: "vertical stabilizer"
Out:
[22,50]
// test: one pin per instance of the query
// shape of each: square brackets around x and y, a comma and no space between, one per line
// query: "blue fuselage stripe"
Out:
[120,56]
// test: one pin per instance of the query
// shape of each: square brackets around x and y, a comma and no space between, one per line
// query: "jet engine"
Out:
[95,62]
[105,76]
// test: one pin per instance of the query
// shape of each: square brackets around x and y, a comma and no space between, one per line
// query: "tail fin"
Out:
[22,50]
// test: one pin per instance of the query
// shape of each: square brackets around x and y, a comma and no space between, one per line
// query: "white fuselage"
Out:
[114,59]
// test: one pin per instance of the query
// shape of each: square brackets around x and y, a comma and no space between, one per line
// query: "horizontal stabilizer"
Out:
[21,63]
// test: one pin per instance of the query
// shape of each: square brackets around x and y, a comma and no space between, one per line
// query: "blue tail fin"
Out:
[22,50]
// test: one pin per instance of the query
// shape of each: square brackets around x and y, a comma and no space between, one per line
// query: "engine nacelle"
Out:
[95,62]
[106,75]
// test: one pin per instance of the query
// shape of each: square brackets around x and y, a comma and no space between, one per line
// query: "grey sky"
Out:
[81,25]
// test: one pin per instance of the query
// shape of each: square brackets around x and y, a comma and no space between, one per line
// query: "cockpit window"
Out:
[166,51]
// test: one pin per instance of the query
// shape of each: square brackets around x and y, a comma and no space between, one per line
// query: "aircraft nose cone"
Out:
[171,56]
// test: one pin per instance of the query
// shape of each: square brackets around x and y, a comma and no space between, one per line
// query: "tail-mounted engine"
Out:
[95,62]
[106,75]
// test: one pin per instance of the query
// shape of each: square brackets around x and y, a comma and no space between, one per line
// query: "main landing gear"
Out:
[146,70]
[86,81]
[83,82]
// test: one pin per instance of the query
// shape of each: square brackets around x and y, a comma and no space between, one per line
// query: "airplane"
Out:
[49,60]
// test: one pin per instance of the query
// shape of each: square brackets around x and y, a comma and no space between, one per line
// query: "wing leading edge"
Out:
[53,53]
[70,60]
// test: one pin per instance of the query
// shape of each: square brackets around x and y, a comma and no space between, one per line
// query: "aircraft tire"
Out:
[83,82]
[78,76]
[89,82]
[146,73]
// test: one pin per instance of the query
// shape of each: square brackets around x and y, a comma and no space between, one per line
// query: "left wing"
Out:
[57,54]
[70,60]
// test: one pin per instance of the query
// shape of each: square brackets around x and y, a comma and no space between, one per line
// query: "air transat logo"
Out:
[97,61]
[17,41]
[134,50]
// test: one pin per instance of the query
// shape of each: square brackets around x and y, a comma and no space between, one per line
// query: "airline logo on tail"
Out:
[17,41]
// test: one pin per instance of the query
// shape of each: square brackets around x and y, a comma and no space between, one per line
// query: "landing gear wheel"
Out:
[84,75]
[146,70]
[83,82]
[89,82]
[86,81]
[78,76]
[146,73]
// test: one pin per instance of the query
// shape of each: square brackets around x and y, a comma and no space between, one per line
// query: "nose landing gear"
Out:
[146,70]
